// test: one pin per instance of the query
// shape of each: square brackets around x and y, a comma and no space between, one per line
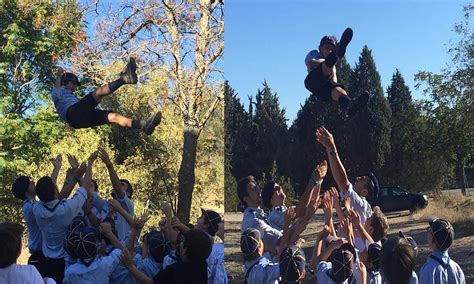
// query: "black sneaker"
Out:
[129,75]
[345,39]
[358,103]
[151,123]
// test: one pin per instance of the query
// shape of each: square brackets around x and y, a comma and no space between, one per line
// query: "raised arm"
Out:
[289,216]
[314,182]
[73,175]
[326,139]
[114,178]
[59,74]
[355,219]
[57,163]
[119,209]
[137,227]
[127,260]
[327,208]
[106,229]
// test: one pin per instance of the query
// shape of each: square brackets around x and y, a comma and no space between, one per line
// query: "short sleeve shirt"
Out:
[256,218]
[433,272]
[264,271]
[63,98]
[17,273]
[98,272]
[358,203]
[276,217]
[216,273]
[34,233]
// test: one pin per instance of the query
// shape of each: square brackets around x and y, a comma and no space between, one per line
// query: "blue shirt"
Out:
[34,233]
[312,55]
[63,98]
[122,226]
[264,272]
[53,218]
[358,203]
[276,217]
[98,272]
[433,272]
[255,218]
[169,259]
[147,265]
[216,273]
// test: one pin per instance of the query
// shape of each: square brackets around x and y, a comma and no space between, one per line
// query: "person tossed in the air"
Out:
[322,79]
[83,113]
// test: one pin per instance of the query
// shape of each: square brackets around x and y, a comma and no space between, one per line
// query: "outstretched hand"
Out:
[290,214]
[58,161]
[320,171]
[326,139]
[104,156]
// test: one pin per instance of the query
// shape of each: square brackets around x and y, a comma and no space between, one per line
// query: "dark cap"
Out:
[342,260]
[373,252]
[86,244]
[70,77]
[249,241]
[213,219]
[267,193]
[20,186]
[77,223]
[443,233]
[70,243]
[292,264]
[328,39]
[158,244]
[410,240]
[375,185]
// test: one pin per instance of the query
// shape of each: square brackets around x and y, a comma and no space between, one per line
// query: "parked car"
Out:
[395,198]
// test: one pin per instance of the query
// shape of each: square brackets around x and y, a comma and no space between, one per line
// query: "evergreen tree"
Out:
[369,130]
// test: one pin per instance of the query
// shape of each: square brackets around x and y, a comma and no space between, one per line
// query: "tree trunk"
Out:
[461,173]
[186,175]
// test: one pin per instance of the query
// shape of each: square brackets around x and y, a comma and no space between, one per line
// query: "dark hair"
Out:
[20,186]
[46,189]
[130,187]
[212,219]
[379,223]
[397,260]
[198,245]
[69,77]
[10,238]
[328,39]
[242,188]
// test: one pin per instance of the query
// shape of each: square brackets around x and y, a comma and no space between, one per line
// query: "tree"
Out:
[451,100]
[369,130]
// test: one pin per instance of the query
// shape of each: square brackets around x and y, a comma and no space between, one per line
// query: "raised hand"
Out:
[115,205]
[334,195]
[320,171]
[104,156]
[290,214]
[327,202]
[166,208]
[106,227]
[312,206]
[58,161]
[324,137]
[175,222]
[126,258]
[324,232]
[60,71]
[140,220]
[72,161]
[355,218]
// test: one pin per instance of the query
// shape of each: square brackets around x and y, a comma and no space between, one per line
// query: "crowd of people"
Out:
[89,239]
[352,249]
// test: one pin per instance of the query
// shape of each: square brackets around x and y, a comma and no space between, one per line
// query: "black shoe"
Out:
[345,39]
[358,103]
[151,123]
[129,75]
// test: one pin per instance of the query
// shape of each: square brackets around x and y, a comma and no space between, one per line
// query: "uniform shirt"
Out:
[374,277]
[433,272]
[16,273]
[98,272]
[170,259]
[63,98]
[255,218]
[147,265]
[34,233]
[216,273]
[358,203]
[53,218]
[276,217]
[262,271]
[312,55]
[322,273]
[122,226]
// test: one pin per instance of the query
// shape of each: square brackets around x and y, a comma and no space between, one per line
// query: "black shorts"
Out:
[319,84]
[54,268]
[84,114]
[37,259]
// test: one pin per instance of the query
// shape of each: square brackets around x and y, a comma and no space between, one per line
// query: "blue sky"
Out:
[269,39]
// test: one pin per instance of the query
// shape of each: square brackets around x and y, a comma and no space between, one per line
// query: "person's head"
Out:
[10,238]
[127,186]
[46,189]
[440,234]
[24,188]
[273,195]
[86,244]
[248,192]
[410,240]
[367,186]
[251,244]
[373,256]
[70,81]
[397,260]
[327,45]
[209,222]
[195,246]
[342,260]
[292,265]
[377,224]
[158,245]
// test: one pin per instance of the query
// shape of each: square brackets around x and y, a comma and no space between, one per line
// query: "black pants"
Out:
[54,268]
[319,84]
[84,114]
[37,259]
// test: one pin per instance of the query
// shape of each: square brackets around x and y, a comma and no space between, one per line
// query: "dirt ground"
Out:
[413,225]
